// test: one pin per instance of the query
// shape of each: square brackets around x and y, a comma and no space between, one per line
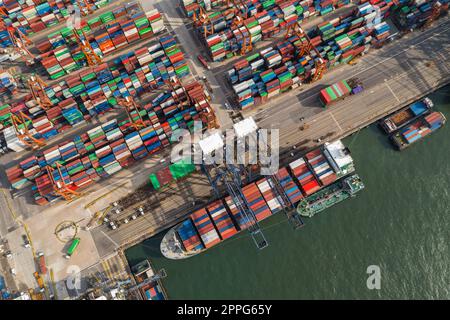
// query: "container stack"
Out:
[221,220]
[334,92]
[266,18]
[434,120]
[413,14]
[8,84]
[115,30]
[189,237]
[12,141]
[205,228]
[265,187]
[304,176]
[290,188]
[279,68]
[256,201]
[191,7]
[94,90]
[5,40]
[106,149]
[241,220]
[321,167]
[34,15]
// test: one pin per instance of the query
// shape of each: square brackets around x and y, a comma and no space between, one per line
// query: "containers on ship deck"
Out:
[290,188]
[221,219]
[256,201]
[241,219]
[265,186]
[321,167]
[304,176]
[205,228]
[189,237]
[114,32]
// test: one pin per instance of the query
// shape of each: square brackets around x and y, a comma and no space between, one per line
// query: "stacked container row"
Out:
[262,19]
[62,55]
[35,15]
[205,228]
[95,90]
[280,68]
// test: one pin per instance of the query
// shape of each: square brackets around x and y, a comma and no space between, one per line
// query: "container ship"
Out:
[418,129]
[222,219]
[329,196]
[406,115]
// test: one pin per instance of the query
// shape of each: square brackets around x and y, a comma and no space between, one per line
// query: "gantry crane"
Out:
[93,59]
[3,12]
[37,88]
[174,84]
[435,13]
[131,106]
[67,191]
[87,5]
[272,179]
[19,121]
[201,19]
[19,42]
[306,47]
[230,175]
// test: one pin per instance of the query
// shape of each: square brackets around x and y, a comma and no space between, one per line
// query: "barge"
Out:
[404,116]
[329,196]
[148,282]
[418,129]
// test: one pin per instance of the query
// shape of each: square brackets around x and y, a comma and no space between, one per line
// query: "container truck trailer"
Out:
[339,91]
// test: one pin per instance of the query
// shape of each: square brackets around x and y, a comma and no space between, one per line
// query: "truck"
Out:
[41,263]
[339,91]
[73,247]
[39,281]
[203,61]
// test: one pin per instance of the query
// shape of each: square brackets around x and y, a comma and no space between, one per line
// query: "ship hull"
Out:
[171,247]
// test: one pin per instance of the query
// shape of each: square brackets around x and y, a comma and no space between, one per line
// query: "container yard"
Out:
[34,16]
[106,149]
[88,115]
[225,36]
[106,34]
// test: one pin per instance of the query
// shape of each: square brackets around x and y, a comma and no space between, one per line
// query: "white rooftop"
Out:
[211,143]
[245,127]
[336,150]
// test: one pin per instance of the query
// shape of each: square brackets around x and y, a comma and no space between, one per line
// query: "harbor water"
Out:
[400,223]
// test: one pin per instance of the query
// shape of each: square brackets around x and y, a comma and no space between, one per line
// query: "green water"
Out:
[399,222]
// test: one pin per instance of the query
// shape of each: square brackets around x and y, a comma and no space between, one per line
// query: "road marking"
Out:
[110,239]
[107,269]
[390,89]
[337,123]
[400,52]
